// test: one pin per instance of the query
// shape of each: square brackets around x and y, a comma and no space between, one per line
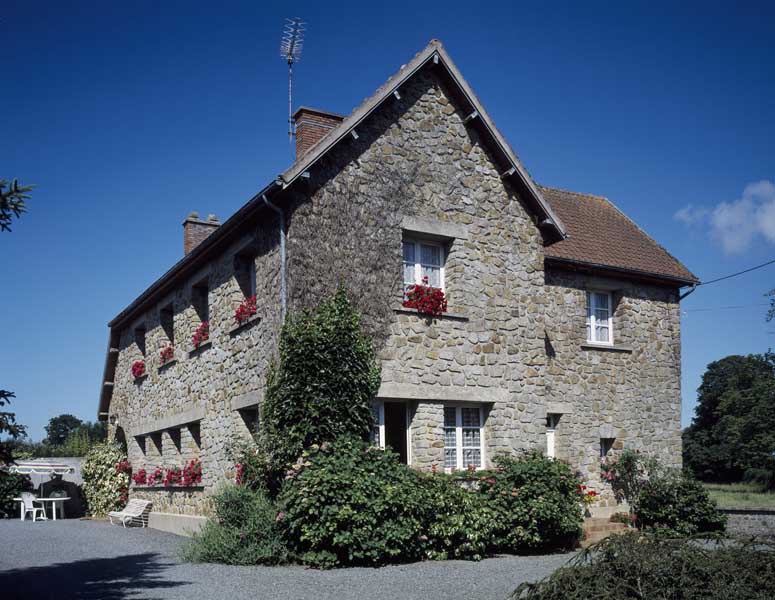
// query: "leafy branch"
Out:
[13,199]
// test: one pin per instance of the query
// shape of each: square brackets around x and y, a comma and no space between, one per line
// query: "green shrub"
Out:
[638,566]
[628,473]
[349,503]
[678,504]
[11,485]
[536,503]
[323,385]
[244,531]
[459,523]
[104,486]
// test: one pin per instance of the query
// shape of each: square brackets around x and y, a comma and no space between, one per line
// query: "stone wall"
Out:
[203,382]
[752,522]
[629,393]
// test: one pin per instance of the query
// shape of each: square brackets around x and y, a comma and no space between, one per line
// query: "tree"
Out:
[12,202]
[60,427]
[732,435]
[8,427]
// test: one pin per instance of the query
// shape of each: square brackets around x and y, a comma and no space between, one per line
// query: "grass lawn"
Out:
[740,495]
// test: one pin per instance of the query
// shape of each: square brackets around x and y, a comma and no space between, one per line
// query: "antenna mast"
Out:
[290,50]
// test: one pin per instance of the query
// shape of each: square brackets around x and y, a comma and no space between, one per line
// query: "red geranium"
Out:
[245,310]
[167,353]
[138,368]
[156,476]
[192,473]
[426,299]
[141,477]
[202,334]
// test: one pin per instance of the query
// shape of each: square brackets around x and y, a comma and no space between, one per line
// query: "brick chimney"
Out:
[195,230]
[311,126]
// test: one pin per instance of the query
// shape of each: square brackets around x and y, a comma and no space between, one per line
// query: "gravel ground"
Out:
[90,559]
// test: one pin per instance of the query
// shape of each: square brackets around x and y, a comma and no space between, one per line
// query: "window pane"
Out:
[601,301]
[449,417]
[409,252]
[409,274]
[472,457]
[449,437]
[601,334]
[375,435]
[431,255]
[433,274]
[471,438]
[470,417]
[450,458]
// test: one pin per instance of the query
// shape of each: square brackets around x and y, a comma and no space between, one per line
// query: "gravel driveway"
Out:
[90,559]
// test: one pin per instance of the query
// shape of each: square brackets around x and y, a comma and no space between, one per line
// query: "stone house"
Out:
[562,331]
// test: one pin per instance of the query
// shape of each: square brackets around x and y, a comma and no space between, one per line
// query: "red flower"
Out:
[245,310]
[167,353]
[426,299]
[140,478]
[202,334]
[138,368]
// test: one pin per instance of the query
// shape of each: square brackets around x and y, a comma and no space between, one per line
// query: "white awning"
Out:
[40,468]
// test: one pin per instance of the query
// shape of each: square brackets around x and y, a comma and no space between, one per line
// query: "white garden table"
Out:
[53,501]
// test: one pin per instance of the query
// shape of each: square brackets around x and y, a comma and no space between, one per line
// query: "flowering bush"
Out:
[104,485]
[191,473]
[626,518]
[141,477]
[628,474]
[587,496]
[138,368]
[202,334]
[245,310]
[124,466]
[426,299]
[167,353]
[156,477]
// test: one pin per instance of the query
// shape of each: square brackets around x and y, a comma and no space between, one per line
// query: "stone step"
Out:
[599,528]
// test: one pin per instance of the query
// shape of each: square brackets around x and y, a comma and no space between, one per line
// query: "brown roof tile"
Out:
[602,235]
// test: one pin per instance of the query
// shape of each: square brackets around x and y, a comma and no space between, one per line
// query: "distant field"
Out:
[740,495]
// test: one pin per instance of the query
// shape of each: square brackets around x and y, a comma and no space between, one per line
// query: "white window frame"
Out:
[552,420]
[379,409]
[459,436]
[418,243]
[591,321]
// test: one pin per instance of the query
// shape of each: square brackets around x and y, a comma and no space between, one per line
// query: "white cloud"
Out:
[689,215]
[739,224]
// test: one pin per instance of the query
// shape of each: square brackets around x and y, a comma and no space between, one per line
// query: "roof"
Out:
[602,236]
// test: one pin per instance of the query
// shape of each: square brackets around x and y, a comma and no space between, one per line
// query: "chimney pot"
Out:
[196,231]
[311,126]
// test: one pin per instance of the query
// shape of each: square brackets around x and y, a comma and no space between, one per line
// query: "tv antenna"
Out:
[290,50]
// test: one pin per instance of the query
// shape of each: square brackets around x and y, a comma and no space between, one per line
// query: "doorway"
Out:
[395,428]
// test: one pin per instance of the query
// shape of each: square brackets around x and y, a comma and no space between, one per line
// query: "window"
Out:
[245,273]
[140,339]
[378,429]
[201,301]
[605,447]
[551,428]
[462,437]
[167,319]
[599,318]
[423,259]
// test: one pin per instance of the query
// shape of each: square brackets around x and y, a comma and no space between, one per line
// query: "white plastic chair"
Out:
[28,506]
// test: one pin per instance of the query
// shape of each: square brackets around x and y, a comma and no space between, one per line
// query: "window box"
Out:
[607,348]
[237,329]
[451,316]
[200,349]
[166,365]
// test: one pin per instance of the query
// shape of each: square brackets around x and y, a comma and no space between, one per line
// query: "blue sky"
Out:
[128,116]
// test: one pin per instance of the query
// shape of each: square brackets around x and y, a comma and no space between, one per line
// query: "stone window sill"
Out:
[166,365]
[243,326]
[605,348]
[139,380]
[200,349]
[168,488]
[448,316]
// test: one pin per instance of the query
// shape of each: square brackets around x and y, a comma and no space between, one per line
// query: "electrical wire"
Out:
[736,274]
